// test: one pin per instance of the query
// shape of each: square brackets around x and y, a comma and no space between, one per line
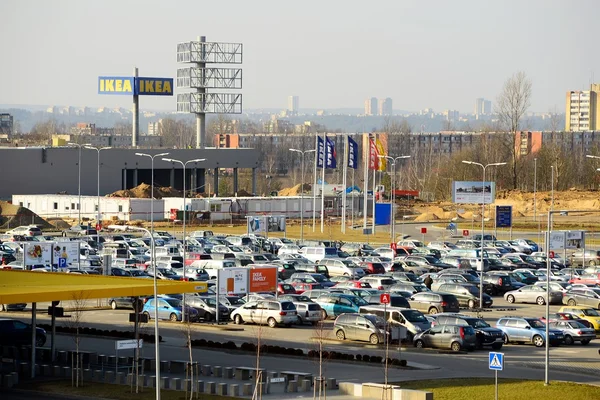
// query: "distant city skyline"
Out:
[53,52]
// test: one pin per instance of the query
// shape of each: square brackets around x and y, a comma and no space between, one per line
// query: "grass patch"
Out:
[508,389]
[108,391]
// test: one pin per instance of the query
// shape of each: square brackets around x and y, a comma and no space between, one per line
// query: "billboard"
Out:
[232,280]
[69,251]
[503,216]
[473,192]
[38,253]
[129,85]
[263,279]
[276,224]
[557,240]
[256,224]
[575,240]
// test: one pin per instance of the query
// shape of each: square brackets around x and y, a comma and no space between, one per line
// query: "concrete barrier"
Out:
[7,381]
[177,367]
[206,370]
[98,375]
[46,370]
[109,376]
[292,386]
[66,372]
[164,366]
[222,389]
[234,390]
[88,375]
[164,382]
[407,394]
[377,390]
[228,373]
[351,389]
[331,383]
[175,384]
[121,378]
[200,386]
[23,368]
[217,371]
[247,389]
[210,388]
[305,385]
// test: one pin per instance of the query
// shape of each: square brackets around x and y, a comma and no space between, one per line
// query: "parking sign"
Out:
[384,298]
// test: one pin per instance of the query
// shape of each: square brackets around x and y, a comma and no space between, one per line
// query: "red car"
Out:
[372,268]
[301,285]
[286,288]
[587,279]
[353,284]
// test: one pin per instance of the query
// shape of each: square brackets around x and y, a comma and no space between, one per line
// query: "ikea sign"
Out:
[135,86]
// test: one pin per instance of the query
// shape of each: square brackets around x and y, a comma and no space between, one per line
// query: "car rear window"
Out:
[448,297]
[287,305]
[387,281]
[314,307]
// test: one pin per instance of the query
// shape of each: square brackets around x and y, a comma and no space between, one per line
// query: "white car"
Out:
[270,312]
[27,230]
[342,266]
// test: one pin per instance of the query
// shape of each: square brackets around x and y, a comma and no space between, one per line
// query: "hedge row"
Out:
[100,332]
[288,351]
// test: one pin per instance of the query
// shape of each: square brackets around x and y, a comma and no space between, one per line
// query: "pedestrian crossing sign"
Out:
[496,361]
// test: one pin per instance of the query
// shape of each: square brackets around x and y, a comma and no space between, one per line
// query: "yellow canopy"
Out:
[36,287]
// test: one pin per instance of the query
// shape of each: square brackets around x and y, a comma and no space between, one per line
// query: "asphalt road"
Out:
[577,363]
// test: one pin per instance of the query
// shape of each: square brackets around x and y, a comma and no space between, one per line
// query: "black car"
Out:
[126,302]
[17,333]
[207,307]
[395,300]
[6,257]
[496,284]
[484,333]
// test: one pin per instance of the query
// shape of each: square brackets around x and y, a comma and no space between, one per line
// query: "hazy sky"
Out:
[333,54]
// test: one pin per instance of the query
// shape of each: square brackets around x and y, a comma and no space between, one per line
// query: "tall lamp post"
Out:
[184,166]
[98,216]
[393,161]
[303,153]
[79,178]
[535,189]
[153,264]
[484,167]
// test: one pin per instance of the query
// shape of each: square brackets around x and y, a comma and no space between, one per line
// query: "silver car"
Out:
[532,294]
[270,312]
[574,331]
[452,337]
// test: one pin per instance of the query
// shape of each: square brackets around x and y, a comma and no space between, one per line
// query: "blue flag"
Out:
[352,153]
[320,152]
[330,155]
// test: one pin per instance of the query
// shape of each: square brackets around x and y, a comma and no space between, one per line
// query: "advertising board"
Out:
[557,240]
[263,279]
[38,253]
[473,192]
[232,280]
[256,224]
[575,240]
[69,251]
[276,223]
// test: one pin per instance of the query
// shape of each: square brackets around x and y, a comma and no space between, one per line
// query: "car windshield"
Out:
[473,290]
[167,272]
[534,323]
[528,259]
[359,301]
[349,263]
[210,301]
[367,247]
[320,278]
[414,316]
[478,323]
[590,312]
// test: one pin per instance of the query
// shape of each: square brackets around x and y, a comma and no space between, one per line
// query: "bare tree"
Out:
[321,333]
[78,301]
[512,103]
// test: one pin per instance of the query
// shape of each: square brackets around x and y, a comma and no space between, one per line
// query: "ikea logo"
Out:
[115,85]
[135,86]
[154,86]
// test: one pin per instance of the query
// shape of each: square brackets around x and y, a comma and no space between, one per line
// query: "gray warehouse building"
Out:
[50,170]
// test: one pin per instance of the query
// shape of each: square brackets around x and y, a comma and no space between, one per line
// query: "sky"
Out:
[332,54]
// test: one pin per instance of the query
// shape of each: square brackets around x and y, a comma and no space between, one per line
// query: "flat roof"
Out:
[36,287]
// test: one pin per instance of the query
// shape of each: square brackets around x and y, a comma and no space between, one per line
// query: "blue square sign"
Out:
[496,361]
[62,262]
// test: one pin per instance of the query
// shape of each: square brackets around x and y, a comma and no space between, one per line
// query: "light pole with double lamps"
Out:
[79,178]
[393,161]
[303,153]
[99,215]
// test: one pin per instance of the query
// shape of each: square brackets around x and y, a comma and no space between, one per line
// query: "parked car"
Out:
[372,267]
[270,312]
[582,297]
[528,330]
[587,278]
[353,284]
[207,307]
[574,331]
[334,304]
[408,287]
[496,283]
[379,282]
[134,303]
[12,307]
[285,288]
[533,294]
[468,295]
[452,337]
[308,312]
[485,335]
[169,308]
[433,303]
[395,300]
[342,267]
[17,333]
[592,258]
[365,327]
[27,230]
[584,312]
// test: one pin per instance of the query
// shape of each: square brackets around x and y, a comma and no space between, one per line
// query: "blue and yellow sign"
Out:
[135,86]
[115,85]
[154,86]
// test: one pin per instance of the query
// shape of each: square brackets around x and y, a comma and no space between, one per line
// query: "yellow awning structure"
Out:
[36,287]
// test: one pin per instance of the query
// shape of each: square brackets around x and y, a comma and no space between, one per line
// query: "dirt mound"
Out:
[243,193]
[294,190]
[59,224]
[12,216]
[143,191]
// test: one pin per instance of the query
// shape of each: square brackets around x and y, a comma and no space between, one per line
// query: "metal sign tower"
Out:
[200,77]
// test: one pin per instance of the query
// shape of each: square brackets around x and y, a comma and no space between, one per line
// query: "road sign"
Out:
[423,230]
[465,232]
[62,262]
[393,246]
[551,254]
[384,298]
[496,361]
[128,344]
[503,216]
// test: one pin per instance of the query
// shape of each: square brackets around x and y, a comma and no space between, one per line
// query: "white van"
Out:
[170,250]
[413,320]
[316,254]
[213,266]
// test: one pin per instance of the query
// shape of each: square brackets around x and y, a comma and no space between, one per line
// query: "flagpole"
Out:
[374,183]
[366,160]
[352,198]
[323,181]
[344,184]
[314,188]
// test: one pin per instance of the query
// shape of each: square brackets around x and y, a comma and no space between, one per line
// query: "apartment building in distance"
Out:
[583,110]
[293,105]
[482,107]
[6,125]
[385,107]
[371,106]
[530,142]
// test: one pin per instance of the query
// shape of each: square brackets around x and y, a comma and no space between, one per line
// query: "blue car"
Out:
[334,304]
[169,308]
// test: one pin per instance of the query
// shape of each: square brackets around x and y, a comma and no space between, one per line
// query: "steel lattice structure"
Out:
[209,78]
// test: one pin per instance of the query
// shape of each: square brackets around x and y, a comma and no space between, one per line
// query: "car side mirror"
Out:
[527,327]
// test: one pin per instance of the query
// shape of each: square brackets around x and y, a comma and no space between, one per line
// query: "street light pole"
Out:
[153,264]
[184,165]
[79,179]
[534,189]
[98,214]
[302,153]
[483,167]
[393,161]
